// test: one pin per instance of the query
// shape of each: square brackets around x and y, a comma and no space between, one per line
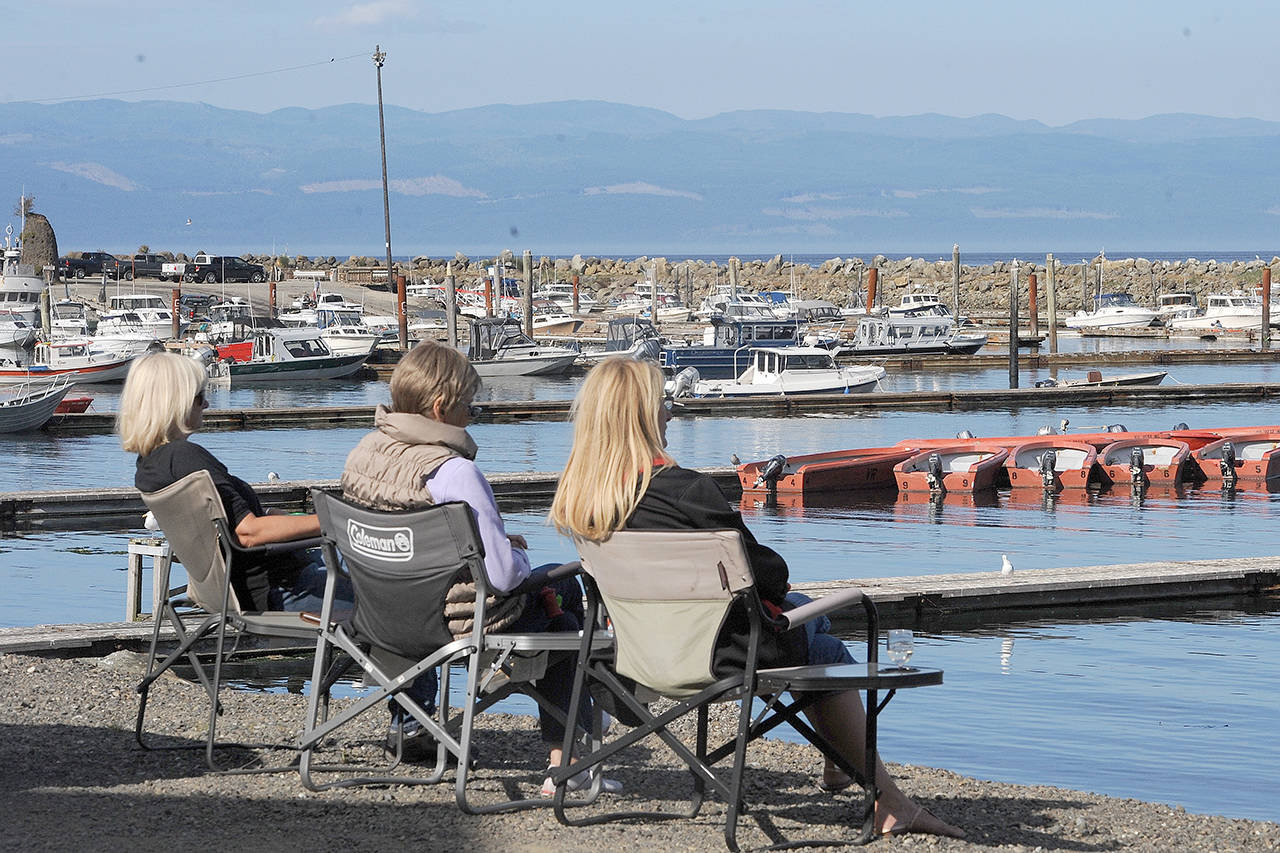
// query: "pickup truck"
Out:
[141,266]
[90,263]
[212,269]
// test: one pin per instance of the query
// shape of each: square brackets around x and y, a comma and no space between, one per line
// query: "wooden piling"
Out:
[576,305]
[488,287]
[402,314]
[526,293]
[955,281]
[175,311]
[1033,310]
[1050,264]
[450,306]
[733,278]
[873,277]
[1265,339]
[1013,327]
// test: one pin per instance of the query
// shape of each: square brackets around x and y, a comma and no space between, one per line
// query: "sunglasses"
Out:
[200,400]
[474,411]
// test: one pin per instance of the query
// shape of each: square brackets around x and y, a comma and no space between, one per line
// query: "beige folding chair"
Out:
[668,593]
[402,565]
[193,520]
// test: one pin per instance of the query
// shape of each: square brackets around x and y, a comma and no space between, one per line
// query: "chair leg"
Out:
[185,648]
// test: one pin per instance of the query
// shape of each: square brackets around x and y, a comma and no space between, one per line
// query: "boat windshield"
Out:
[1116,300]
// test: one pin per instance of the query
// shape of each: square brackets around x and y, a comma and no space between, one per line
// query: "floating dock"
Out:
[326,417]
[904,601]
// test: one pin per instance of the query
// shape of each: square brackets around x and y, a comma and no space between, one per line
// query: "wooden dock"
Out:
[903,601]
[325,417]
[122,509]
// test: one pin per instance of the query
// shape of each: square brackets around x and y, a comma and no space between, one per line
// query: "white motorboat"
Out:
[1112,311]
[15,332]
[135,314]
[899,335]
[230,320]
[735,306]
[500,348]
[31,404]
[346,332]
[1098,379]
[550,319]
[68,318]
[785,371]
[20,287]
[1222,312]
[77,356]
[561,293]
[285,355]
[1170,305]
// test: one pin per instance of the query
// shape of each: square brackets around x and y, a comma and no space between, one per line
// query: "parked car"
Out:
[212,269]
[82,264]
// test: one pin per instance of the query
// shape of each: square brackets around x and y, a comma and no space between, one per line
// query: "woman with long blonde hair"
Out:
[620,476]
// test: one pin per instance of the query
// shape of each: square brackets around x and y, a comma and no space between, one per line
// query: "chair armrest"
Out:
[827,604]
[537,580]
[277,547]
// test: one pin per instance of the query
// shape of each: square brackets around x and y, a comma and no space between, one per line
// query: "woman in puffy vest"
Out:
[420,453]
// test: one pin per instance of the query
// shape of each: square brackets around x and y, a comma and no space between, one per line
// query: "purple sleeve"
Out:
[460,480]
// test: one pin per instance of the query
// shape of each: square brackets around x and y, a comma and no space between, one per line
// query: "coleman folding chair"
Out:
[402,565]
[667,594]
[193,520]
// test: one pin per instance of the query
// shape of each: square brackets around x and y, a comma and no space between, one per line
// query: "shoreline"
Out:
[74,779]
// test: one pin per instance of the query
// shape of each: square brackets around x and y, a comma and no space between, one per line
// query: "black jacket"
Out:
[681,499]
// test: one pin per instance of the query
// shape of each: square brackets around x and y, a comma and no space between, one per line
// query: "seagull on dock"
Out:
[1006,568]
[733,459]
[272,476]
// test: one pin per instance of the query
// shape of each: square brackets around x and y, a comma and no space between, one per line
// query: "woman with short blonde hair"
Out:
[162,404]
[619,475]
[156,403]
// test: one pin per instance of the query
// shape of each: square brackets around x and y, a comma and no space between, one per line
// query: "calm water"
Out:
[1150,706]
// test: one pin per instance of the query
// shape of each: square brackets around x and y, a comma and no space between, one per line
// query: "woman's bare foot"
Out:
[920,820]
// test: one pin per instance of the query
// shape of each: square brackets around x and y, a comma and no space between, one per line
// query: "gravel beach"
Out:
[72,778]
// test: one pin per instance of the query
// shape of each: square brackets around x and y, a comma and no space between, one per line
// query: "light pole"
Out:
[378,59]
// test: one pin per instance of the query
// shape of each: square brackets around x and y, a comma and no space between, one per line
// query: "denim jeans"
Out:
[823,648]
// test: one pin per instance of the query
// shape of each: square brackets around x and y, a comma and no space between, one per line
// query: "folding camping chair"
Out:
[402,565]
[667,594]
[193,520]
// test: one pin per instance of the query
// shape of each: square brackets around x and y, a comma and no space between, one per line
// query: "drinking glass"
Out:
[900,647]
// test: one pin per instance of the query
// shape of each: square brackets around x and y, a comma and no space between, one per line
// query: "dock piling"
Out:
[1051,274]
[175,310]
[873,276]
[451,305]
[1265,338]
[158,550]
[527,291]
[1033,310]
[955,280]
[402,316]
[1013,326]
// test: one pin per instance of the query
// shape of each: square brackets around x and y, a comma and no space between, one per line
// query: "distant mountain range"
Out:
[604,178]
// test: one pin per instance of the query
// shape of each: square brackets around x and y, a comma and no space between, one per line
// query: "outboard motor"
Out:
[769,474]
[1179,426]
[1227,465]
[648,350]
[1048,464]
[683,383]
[934,476]
[1116,428]
[964,434]
[1136,464]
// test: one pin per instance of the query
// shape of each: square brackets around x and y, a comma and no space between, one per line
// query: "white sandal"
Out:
[579,781]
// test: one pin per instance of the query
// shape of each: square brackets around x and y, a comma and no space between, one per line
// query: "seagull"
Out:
[272,476]
[188,221]
[733,459]
[1006,568]
[1063,426]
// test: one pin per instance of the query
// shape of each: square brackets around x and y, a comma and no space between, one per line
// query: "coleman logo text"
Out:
[384,543]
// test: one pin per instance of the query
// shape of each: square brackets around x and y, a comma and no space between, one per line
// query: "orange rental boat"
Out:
[968,467]
[838,470]
[1052,464]
[1193,437]
[1241,461]
[1155,461]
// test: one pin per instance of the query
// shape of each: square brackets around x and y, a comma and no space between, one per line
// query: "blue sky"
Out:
[1030,60]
